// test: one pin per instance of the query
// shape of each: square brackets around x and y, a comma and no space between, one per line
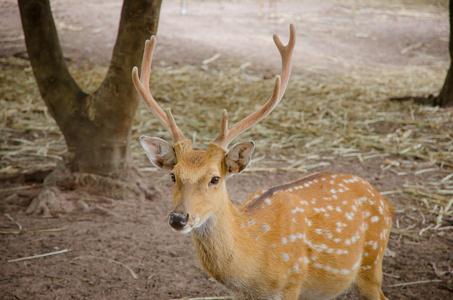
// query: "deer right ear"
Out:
[159,152]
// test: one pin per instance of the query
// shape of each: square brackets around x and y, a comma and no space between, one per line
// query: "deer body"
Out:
[313,237]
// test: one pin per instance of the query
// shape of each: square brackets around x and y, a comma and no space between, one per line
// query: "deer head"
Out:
[199,177]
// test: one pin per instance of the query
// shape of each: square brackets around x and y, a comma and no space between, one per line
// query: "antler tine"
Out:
[286,54]
[226,136]
[223,128]
[142,86]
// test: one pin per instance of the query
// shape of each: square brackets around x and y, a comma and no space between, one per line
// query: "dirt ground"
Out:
[125,249]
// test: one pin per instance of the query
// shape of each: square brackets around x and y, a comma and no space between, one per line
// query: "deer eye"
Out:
[215,180]
[173,178]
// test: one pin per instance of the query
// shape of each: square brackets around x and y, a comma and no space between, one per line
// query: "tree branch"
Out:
[46,57]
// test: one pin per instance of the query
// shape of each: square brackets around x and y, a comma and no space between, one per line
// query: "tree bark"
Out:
[445,98]
[96,126]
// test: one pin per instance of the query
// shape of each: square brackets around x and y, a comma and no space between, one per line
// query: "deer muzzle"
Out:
[178,221]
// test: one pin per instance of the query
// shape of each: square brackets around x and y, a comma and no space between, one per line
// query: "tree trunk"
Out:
[445,98]
[96,126]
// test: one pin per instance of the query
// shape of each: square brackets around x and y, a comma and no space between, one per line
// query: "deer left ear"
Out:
[238,157]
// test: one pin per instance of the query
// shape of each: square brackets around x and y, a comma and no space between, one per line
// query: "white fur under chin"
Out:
[186,229]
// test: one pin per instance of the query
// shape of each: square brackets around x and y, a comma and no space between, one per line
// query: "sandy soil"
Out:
[341,37]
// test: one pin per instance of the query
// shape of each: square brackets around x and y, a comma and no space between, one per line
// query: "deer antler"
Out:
[142,86]
[227,135]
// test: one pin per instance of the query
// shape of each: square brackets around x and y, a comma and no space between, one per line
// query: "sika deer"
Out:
[314,237]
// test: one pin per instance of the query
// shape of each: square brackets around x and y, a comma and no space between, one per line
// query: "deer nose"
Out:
[178,221]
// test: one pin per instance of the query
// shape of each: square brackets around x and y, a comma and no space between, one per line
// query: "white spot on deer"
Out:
[381,210]
[318,210]
[285,256]
[366,267]
[318,265]
[256,196]
[340,251]
[272,245]
[292,238]
[251,222]
[329,207]
[304,259]
[377,259]
[338,209]
[263,191]
[303,202]
[333,191]
[268,201]
[337,240]
[284,241]
[374,244]
[357,264]
[309,222]
[374,219]
[297,209]
[296,268]
[347,242]
[265,228]
[332,182]
[364,227]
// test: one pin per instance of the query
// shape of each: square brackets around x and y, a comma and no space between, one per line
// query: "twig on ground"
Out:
[33,230]
[39,255]
[14,221]
[415,282]
[208,298]
[15,295]
[109,260]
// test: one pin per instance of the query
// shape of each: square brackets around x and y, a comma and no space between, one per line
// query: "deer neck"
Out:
[220,241]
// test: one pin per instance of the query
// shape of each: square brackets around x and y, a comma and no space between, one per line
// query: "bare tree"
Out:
[96,126]
[445,98]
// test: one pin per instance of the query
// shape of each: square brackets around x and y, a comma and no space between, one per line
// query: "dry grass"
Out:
[322,117]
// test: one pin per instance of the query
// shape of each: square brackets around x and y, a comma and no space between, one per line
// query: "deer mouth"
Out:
[193,223]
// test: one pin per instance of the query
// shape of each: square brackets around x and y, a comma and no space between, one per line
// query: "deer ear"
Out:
[159,152]
[238,157]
